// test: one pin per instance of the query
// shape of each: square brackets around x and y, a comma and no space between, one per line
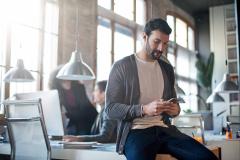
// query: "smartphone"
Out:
[174,100]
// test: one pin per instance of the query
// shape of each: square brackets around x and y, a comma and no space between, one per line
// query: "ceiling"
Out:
[194,7]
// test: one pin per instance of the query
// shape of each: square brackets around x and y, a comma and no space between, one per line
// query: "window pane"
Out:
[21,87]
[181,32]
[104,44]
[139,44]
[25,45]
[5,13]
[191,101]
[124,8]
[193,69]
[50,41]
[123,43]
[139,41]
[182,62]
[49,57]
[191,40]
[140,12]
[186,88]
[2,85]
[194,99]
[170,21]
[105,3]
[51,18]
[171,59]
[3,36]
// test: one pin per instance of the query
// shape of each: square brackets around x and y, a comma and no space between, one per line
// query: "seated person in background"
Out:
[103,129]
[79,110]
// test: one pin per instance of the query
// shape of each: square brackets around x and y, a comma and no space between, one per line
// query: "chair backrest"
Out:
[191,125]
[27,131]
[51,109]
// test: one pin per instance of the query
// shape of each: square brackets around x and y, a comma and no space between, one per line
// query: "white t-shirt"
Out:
[151,88]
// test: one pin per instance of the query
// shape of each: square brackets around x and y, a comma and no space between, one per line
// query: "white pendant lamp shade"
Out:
[18,74]
[226,84]
[214,97]
[76,69]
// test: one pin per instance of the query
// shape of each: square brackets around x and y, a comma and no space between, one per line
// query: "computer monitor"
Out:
[51,110]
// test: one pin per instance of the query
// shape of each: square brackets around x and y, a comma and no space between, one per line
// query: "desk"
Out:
[105,152]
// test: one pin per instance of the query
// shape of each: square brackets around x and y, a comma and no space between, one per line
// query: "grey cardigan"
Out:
[123,94]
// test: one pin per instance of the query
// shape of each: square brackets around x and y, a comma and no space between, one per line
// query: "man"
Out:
[103,129]
[139,90]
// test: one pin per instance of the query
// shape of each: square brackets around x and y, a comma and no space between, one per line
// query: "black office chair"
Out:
[27,131]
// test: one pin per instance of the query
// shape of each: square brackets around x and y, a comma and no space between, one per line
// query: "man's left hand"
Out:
[173,109]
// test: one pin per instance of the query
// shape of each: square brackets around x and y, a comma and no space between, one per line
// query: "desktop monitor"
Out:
[51,110]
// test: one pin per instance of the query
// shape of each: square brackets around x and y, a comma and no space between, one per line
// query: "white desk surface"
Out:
[104,152]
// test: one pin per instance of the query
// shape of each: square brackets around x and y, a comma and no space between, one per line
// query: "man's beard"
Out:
[156,54]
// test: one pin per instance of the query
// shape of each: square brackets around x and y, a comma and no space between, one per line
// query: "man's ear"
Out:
[144,35]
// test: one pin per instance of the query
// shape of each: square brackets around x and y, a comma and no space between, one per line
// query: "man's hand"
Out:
[155,108]
[69,138]
[173,109]
[159,106]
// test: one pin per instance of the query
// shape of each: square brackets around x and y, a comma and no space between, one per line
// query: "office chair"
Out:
[27,131]
[191,125]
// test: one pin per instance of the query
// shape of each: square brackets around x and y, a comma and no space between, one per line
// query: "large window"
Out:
[118,26]
[28,31]
[182,56]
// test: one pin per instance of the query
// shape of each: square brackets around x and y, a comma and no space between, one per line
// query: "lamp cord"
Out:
[76,29]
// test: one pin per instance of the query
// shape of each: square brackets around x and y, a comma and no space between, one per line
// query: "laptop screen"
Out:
[51,110]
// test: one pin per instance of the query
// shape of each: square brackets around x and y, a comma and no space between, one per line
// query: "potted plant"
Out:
[204,74]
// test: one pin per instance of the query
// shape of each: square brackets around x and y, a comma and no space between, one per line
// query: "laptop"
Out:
[51,110]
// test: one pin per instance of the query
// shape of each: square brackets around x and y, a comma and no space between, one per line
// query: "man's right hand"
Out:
[155,108]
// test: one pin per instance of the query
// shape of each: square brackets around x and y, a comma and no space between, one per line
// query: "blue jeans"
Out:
[144,144]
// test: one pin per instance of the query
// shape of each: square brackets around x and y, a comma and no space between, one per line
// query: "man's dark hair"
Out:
[157,24]
[102,85]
